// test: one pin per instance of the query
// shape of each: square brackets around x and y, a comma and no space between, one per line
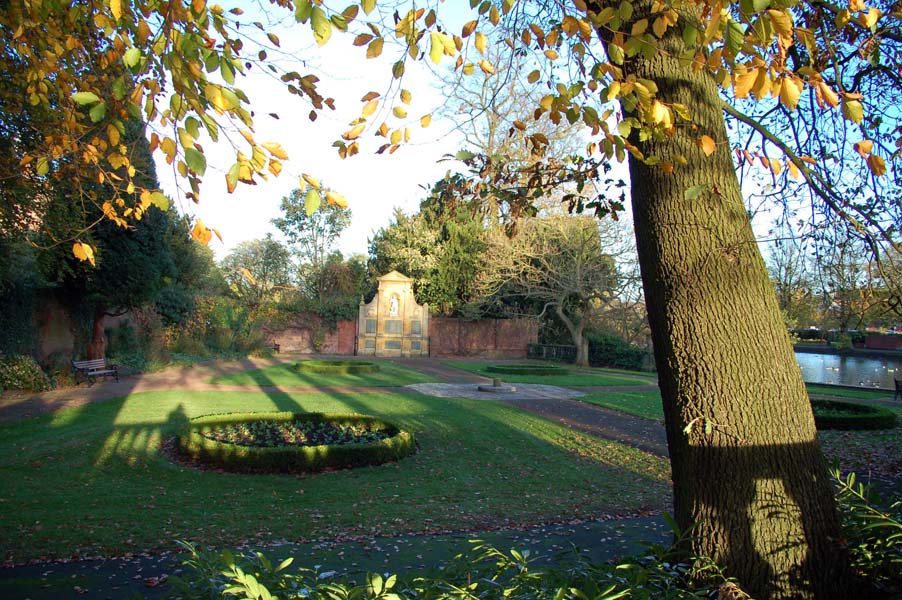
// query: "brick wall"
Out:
[883,342]
[490,338]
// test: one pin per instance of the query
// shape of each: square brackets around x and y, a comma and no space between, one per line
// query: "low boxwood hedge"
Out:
[527,369]
[336,367]
[831,414]
[292,459]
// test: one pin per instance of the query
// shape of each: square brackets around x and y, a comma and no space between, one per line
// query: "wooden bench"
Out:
[90,370]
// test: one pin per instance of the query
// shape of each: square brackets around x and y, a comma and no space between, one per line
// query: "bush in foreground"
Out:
[195,442]
[21,372]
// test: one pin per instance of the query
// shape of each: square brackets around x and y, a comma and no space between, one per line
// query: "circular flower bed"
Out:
[340,367]
[527,369]
[293,442]
[831,414]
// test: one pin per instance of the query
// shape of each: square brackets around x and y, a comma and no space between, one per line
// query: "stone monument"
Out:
[393,324]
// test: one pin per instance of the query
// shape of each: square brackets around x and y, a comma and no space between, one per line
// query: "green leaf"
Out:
[131,58]
[624,128]
[322,26]
[196,161]
[98,112]
[85,98]
[192,126]
[615,53]
[464,155]
[43,166]
[312,201]
[160,200]
[397,69]
[368,6]
[227,70]
[734,36]
[694,192]
[302,10]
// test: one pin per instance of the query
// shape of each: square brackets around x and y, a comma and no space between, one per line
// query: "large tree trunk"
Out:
[576,335]
[97,346]
[747,468]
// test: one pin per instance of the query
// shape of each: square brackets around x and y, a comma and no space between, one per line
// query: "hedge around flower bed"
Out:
[336,367]
[527,369]
[853,416]
[292,459]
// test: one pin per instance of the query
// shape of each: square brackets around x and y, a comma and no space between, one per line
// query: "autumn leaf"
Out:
[864,147]
[853,110]
[876,165]
[200,233]
[311,181]
[425,120]
[83,252]
[707,144]
[336,199]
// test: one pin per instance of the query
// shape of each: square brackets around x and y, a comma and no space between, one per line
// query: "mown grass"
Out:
[645,404]
[575,378]
[92,480]
[840,392]
[286,375]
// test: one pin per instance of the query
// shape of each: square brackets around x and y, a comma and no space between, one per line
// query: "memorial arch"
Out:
[393,324]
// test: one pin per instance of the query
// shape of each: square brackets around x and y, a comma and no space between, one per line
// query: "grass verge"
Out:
[840,392]
[92,480]
[645,404]
[287,375]
[572,379]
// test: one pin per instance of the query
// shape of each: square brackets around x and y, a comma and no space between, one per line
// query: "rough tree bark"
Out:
[576,334]
[747,468]
[97,346]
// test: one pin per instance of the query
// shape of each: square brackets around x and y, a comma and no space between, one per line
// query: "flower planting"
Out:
[293,442]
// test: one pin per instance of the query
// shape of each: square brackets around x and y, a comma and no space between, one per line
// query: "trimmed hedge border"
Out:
[292,459]
[857,416]
[336,367]
[527,369]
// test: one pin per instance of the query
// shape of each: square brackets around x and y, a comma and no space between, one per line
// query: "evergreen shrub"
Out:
[22,372]
[192,442]
[832,414]
[610,351]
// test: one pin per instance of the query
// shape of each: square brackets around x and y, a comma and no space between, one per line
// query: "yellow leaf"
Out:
[876,165]
[354,132]
[116,10]
[707,144]
[375,48]
[776,167]
[311,181]
[275,167]
[112,134]
[551,54]
[480,42]
[425,120]
[853,110]
[793,169]
[406,96]
[864,147]
[790,91]
[661,114]
[216,231]
[369,108]
[400,112]
[336,199]
[872,17]
[396,136]
[856,5]
[275,149]
[247,135]
[83,252]
[200,233]
[469,68]
[486,67]
[826,95]
[743,82]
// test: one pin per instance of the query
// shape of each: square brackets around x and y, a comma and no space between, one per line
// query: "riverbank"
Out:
[809,348]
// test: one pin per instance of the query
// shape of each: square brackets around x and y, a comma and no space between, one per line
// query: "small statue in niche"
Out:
[393,306]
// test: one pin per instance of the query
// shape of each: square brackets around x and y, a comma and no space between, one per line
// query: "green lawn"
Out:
[573,379]
[641,404]
[92,480]
[389,375]
[839,392]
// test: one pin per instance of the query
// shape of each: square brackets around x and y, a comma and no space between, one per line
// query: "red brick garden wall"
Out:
[883,342]
[491,338]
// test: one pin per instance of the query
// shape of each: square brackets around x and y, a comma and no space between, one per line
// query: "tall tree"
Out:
[259,270]
[558,264]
